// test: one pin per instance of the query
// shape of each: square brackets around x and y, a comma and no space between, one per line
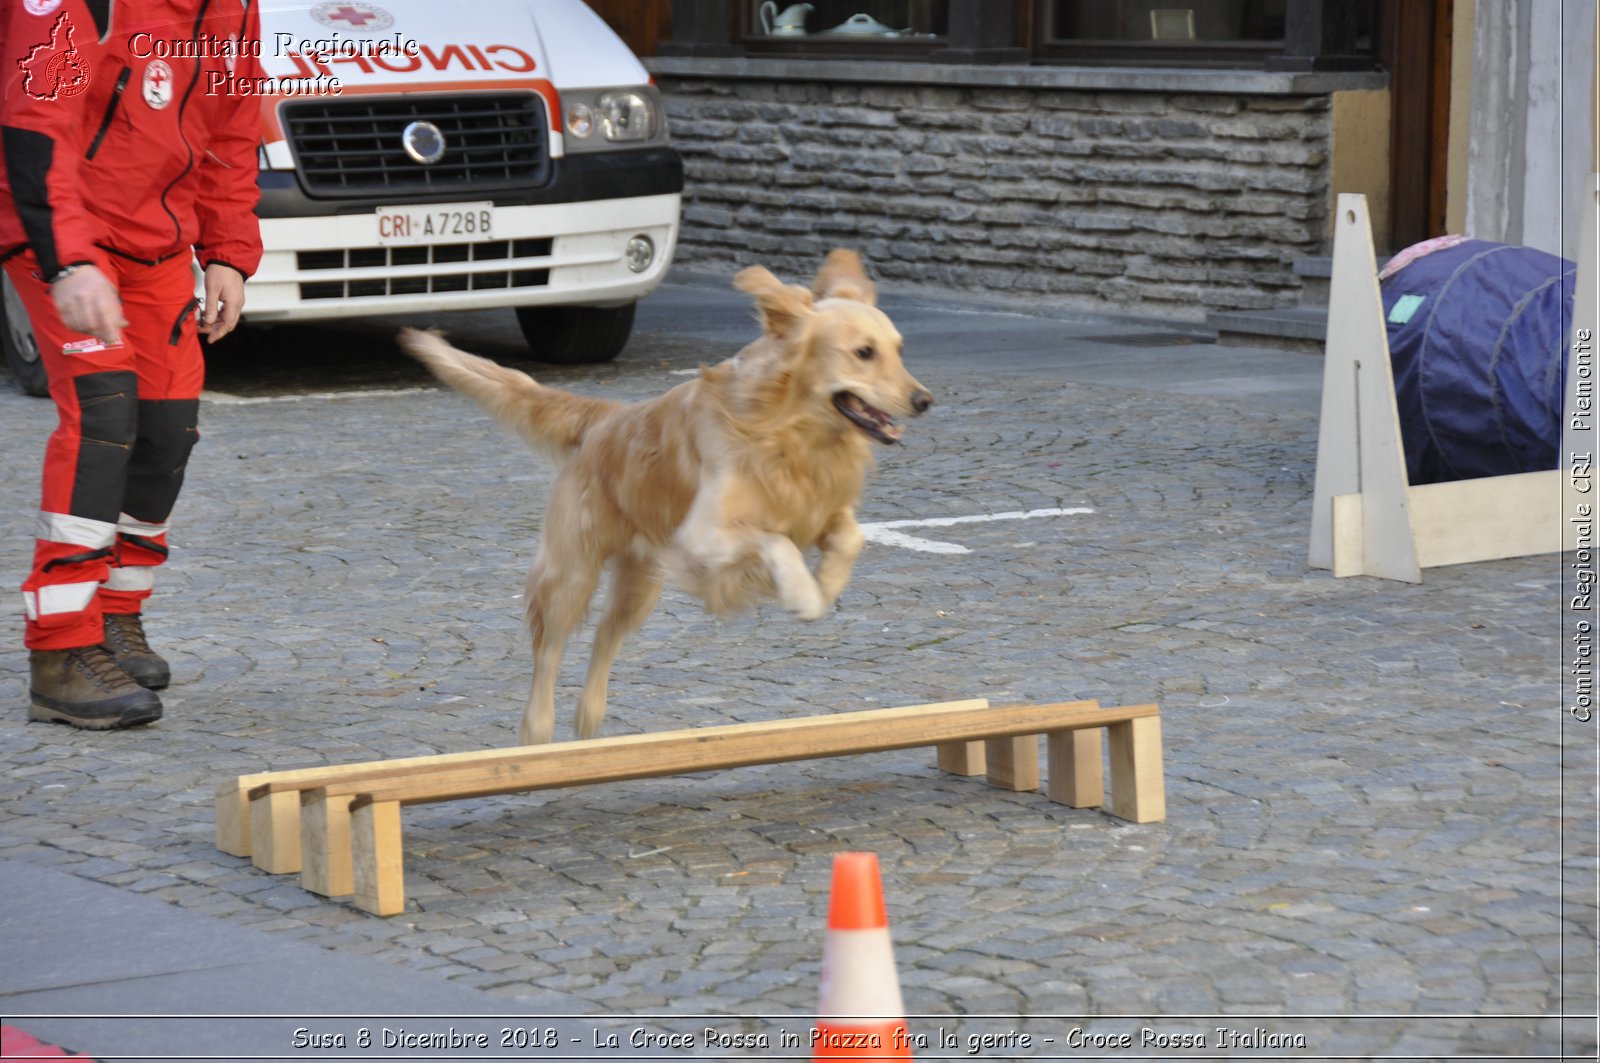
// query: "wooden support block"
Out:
[233,816]
[275,832]
[1076,774]
[325,845]
[1013,762]
[962,758]
[377,866]
[1349,542]
[1138,788]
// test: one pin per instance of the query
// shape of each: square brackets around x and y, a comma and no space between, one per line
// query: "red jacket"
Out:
[120,133]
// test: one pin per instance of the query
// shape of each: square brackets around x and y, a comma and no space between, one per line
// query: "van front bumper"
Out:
[571,254]
[564,243]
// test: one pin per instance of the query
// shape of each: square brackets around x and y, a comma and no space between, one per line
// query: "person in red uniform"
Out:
[123,160]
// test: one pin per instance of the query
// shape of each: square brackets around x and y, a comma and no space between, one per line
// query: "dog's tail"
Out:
[552,420]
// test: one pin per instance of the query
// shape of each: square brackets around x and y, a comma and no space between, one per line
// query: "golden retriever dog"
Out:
[721,484]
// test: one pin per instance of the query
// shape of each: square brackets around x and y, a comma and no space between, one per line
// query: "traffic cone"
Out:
[859,1011]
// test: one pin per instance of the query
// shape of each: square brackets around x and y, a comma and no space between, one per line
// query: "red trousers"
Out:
[114,465]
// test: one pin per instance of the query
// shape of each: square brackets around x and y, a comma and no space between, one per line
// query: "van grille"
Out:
[474,279]
[352,147]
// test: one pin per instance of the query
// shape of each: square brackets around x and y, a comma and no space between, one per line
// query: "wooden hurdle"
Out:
[340,826]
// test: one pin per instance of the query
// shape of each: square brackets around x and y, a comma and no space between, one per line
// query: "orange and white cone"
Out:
[859,1011]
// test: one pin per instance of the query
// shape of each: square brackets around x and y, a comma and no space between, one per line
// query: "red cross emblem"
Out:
[154,84]
[353,16]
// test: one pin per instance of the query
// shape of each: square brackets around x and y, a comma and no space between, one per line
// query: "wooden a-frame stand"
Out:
[1367,519]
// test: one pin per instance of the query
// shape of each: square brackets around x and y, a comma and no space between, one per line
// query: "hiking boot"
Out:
[125,639]
[84,687]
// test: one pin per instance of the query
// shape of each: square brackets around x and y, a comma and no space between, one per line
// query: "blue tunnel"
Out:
[1478,341]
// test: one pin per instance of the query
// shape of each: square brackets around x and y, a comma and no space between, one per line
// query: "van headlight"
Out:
[601,119]
[627,116]
[580,120]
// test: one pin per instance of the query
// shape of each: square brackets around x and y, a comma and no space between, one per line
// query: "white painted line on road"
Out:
[222,398]
[885,533]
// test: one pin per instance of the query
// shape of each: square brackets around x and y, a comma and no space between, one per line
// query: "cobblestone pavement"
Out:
[1380,831]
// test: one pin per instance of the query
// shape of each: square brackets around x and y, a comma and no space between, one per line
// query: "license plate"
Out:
[451,223]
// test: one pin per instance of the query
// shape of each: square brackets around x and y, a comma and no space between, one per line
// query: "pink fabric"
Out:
[14,1044]
[1416,251]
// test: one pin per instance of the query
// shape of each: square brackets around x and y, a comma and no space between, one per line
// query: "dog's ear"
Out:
[781,305]
[842,276]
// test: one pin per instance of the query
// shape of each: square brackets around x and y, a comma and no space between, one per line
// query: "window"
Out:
[1232,32]
[855,27]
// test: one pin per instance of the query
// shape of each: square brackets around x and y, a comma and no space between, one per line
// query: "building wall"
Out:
[1166,203]
[1532,141]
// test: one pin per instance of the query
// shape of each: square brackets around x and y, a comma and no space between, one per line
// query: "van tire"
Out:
[576,335]
[22,350]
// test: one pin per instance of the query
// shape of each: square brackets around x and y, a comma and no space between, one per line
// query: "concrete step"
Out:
[1292,328]
[1314,274]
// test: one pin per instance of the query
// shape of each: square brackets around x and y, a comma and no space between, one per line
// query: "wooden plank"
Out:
[312,778]
[1013,762]
[1138,787]
[1075,774]
[325,847]
[962,758]
[713,748]
[1578,420]
[1490,518]
[378,870]
[286,837]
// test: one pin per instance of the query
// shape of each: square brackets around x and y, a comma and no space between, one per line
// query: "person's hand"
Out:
[224,299]
[88,302]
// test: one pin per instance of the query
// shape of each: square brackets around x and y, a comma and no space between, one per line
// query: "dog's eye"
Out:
[865,353]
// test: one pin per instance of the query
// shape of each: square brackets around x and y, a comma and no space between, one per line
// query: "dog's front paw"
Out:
[531,733]
[591,714]
[807,603]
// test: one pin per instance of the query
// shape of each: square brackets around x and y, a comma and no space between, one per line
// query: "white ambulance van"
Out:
[421,156]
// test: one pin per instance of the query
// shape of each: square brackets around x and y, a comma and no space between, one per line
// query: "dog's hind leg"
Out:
[558,597]
[635,589]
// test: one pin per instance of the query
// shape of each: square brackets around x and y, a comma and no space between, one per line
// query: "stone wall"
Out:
[1159,203]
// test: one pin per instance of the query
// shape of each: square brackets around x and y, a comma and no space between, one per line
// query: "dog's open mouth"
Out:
[867,417]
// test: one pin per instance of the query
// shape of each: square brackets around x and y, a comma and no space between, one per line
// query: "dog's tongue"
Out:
[872,418]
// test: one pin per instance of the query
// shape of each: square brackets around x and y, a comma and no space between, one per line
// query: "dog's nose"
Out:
[920,401]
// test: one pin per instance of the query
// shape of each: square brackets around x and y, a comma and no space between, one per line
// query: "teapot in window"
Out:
[790,22]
